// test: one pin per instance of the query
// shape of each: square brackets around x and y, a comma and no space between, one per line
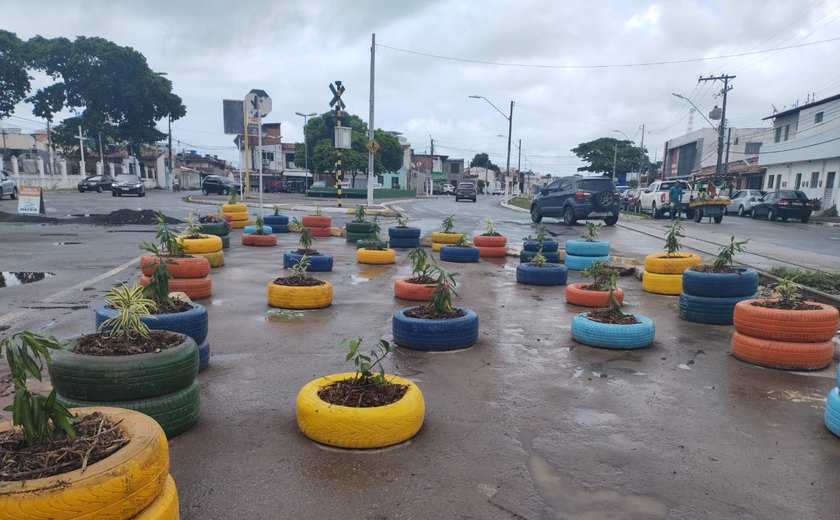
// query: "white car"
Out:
[742,201]
[448,189]
[497,191]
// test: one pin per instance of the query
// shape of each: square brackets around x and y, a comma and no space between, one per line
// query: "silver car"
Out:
[742,201]
[8,186]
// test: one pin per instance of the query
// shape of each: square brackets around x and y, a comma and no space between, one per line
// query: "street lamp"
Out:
[510,127]
[695,107]
[305,146]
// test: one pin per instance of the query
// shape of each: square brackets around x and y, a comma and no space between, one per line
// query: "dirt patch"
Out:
[712,269]
[308,252]
[352,392]
[299,281]
[101,344]
[422,280]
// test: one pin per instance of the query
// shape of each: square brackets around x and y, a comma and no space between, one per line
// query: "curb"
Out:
[505,205]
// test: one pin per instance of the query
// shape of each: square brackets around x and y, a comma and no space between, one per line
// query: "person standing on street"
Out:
[675,198]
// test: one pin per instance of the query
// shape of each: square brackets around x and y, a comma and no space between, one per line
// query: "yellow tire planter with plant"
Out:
[203,244]
[440,237]
[216,258]
[664,271]
[237,207]
[166,505]
[119,486]
[239,224]
[676,263]
[300,297]
[349,427]
[376,256]
[238,216]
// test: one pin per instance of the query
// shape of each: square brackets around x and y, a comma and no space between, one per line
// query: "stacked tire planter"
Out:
[376,256]
[238,214]
[189,274]
[440,239]
[460,254]
[220,229]
[491,246]
[403,237]
[436,334]
[320,262]
[663,274]
[133,482]
[613,335]
[162,385]
[783,338]
[577,295]
[368,244]
[832,408]
[711,297]
[299,297]
[208,246]
[581,254]
[264,239]
[550,274]
[356,231]
[319,225]
[278,223]
[549,250]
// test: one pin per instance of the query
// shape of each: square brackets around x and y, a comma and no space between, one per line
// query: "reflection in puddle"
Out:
[283,315]
[356,279]
[13,278]
[368,273]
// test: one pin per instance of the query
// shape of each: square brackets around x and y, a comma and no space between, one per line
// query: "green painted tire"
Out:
[355,237]
[214,228]
[358,227]
[225,241]
[365,243]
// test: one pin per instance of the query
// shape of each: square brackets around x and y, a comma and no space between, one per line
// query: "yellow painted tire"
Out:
[117,487]
[675,264]
[662,283]
[349,427]
[239,224]
[165,507]
[216,258]
[436,246]
[446,238]
[205,244]
[238,215]
[291,297]
[376,256]
[234,208]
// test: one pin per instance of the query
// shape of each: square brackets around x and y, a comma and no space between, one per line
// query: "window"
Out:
[787,132]
[778,134]
[268,156]
[770,179]
[815,179]
[290,160]
[454,169]
[818,117]
[752,148]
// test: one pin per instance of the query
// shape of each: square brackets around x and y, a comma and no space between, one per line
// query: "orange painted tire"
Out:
[660,263]
[234,208]
[489,240]
[320,231]
[585,298]
[249,239]
[786,325]
[412,291]
[316,221]
[195,288]
[788,355]
[492,252]
[216,258]
[238,215]
[205,244]
[183,267]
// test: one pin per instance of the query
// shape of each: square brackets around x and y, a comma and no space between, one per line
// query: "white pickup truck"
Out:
[654,199]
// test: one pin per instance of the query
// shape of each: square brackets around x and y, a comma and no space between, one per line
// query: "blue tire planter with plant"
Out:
[709,310]
[613,336]
[722,285]
[317,262]
[277,220]
[460,254]
[253,229]
[551,256]
[551,274]
[585,248]
[403,243]
[547,246]
[192,322]
[580,263]
[832,411]
[404,232]
[280,228]
[435,335]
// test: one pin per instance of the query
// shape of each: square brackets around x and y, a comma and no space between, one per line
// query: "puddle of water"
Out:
[356,279]
[66,243]
[13,278]
[370,272]
[589,417]
[684,366]
[275,315]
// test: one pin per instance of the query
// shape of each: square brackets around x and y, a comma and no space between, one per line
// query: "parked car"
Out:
[220,185]
[466,190]
[98,183]
[128,185]
[743,200]
[318,184]
[784,204]
[577,197]
[448,189]
[630,199]
[497,190]
[655,199]
[8,186]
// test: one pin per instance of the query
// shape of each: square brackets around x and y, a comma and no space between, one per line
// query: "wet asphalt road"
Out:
[526,424]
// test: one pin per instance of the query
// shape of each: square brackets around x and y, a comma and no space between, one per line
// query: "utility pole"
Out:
[81,152]
[615,158]
[510,129]
[642,152]
[102,157]
[171,170]
[49,143]
[519,169]
[726,88]
[370,122]
[432,167]
[728,142]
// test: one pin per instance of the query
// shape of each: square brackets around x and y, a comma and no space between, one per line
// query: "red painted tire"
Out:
[195,288]
[492,252]
[786,325]
[788,355]
[249,239]
[183,267]
[316,221]
[584,298]
[412,291]
[490,240]
[320,231]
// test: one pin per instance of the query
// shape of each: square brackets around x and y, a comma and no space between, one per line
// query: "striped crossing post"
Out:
[338,171]
[338,90]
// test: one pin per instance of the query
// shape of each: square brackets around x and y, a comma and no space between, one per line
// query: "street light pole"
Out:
[510,128]
[305,147]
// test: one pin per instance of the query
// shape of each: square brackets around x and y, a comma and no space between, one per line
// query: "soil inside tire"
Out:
[712,269]
[299,281]
[308,252]
[352,392]
[427,313]
[102,344]
[96,438]
[796,306]
[607,316]
[421,280]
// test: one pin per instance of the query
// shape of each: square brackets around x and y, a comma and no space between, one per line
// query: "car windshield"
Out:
[594,184]
[127,178]
[791,194]
[466,185]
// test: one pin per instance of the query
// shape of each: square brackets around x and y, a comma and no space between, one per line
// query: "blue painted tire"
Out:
[552,257]
[192,322]
[318,262]
[463,255]
[403,243]
[203,356]
[280,228]
[584,248]
[551,274]
[276,220]
[250,230]
[547,246]
[435,335]
[225,241]
[722,285]
[404,232]
[703,309]
[613,336]
[832,411]
[579,263]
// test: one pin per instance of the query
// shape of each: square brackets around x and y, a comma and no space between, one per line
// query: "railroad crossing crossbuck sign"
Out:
[373,146]
[337,91]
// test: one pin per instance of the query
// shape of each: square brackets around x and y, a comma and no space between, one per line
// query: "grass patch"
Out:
[829,283]
[639,214]
[521,202]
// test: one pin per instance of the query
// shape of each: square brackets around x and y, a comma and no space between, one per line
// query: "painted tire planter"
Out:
[203,356]
[240,224]
[214,228]
[720,285]
[579,263]
[366,244]
[349,427]
[292,297]
[234,208]
[670,284]
[404,232]
[435,335]
[182,267]
[576,295]
[320,232]
[205,244]
[611,335]
[786,325]
[492,252]
[192,322]
[552,257]
[216,258]
[832,412]
[165,506]
[446,238]
[358,227]
[225,242]
[412,291]
[276,220]
[660,263]
[436,246]
[786,355]
[490,241]
[403,243]
[584,248]
[121,485]
[376,256]
[238,216]
[267,230]
[319,221]
[547,246]
[195,288]
[355,237]
[255,240]
[551,274]
[709,310]
[280,228]
[463,255]
[317,262]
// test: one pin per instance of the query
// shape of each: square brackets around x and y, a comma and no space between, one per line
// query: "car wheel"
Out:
[142,192]
[569,216]
[784,219]
[536,216]
[99,189]
[204,191]
[741,210]
[805,218]
[771,214]
[610,221]
[81,190]
[113,193]
[225,191]
[753,214]
[13,196]
[654,212]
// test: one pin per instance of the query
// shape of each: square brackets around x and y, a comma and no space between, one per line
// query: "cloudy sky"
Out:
[576,69]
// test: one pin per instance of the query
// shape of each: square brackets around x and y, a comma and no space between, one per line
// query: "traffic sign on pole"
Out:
[373,146]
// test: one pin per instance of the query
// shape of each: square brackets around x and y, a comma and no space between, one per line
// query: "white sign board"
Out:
[343,135]
[30,200]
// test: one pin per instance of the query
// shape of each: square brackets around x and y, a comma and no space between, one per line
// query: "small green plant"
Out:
[490,228]
[462,242]
[158,286]
[193,226]
[538,260]
[448,224]
[421,269]
[317,210]
[441,301]
[232,196]
[305,240]
[540,235]
[260,222]
[365,365]
[402,222]
[276,210]
[166,237]
[612,301]
[360,213]
[788,293]
[603,276]
[131,305]
[593,232]
[39,417]
[672,237]
[727,253]
[299,270]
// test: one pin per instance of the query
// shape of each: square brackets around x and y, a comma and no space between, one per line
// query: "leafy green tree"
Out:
[14,79]
[600,152]
[482,160]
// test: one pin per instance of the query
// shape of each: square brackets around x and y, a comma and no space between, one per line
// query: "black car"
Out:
[219,184]
[785,204]
[128,185]
[576,197]
[466,190]
[96,183]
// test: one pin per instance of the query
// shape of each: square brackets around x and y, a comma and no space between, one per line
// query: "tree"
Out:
[600,152]
[14,79]
[482,160]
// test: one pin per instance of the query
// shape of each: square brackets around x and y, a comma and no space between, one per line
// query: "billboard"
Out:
[233,112]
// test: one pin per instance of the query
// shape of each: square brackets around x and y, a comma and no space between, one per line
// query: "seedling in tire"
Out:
[540,234]
[672,237]
[193,226]
[299,269]
[260,222]
[365,364]
[276,210]
[131,305]
[421,270]
[726,255]
[402,222]
[360,214]
[305,240]
[538,260]
[788,293]
[593,232]
[441,301]
[232,196]
[447,224]
[490,228]
[375,242]
[603,276]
